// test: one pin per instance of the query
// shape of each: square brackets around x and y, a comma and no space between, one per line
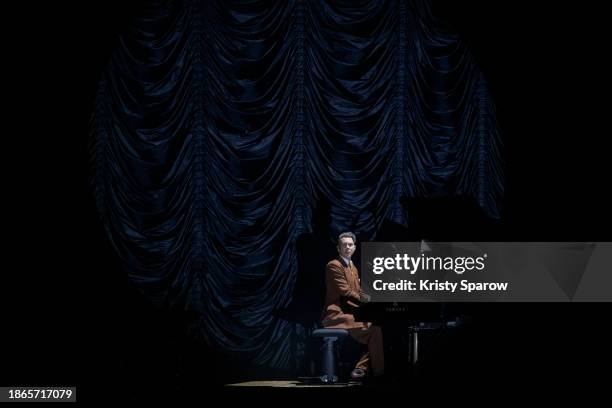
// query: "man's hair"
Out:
[347,234]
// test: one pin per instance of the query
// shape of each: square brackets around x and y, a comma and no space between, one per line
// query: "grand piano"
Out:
[407,327]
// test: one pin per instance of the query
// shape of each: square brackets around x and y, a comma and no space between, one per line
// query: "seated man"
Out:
[343,295]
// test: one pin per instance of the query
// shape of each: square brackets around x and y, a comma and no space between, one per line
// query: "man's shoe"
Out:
[358,373]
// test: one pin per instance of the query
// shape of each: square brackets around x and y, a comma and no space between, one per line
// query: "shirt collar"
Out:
[347,261]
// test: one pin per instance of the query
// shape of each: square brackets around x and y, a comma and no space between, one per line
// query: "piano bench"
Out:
[330,336]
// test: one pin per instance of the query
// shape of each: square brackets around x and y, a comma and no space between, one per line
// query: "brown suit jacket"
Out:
[343,294]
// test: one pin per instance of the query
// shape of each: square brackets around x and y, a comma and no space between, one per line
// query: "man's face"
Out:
[346,247]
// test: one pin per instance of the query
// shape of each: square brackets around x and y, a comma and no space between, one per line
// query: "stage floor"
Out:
[293,384]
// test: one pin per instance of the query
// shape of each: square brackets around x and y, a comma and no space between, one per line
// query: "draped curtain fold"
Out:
[220,125]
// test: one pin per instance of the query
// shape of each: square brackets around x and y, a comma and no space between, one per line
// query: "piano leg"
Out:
[401,344]
[413,347]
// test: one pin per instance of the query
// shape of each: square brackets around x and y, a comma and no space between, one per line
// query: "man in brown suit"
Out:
[344,294]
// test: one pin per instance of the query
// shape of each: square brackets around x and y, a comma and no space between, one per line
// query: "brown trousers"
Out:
[372,336]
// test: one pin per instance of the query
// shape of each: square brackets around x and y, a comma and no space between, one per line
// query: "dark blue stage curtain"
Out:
[220,125]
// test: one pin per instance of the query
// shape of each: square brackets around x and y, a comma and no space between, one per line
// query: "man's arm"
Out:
[339,279]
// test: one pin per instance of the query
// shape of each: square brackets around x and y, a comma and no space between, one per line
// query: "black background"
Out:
[70,316]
